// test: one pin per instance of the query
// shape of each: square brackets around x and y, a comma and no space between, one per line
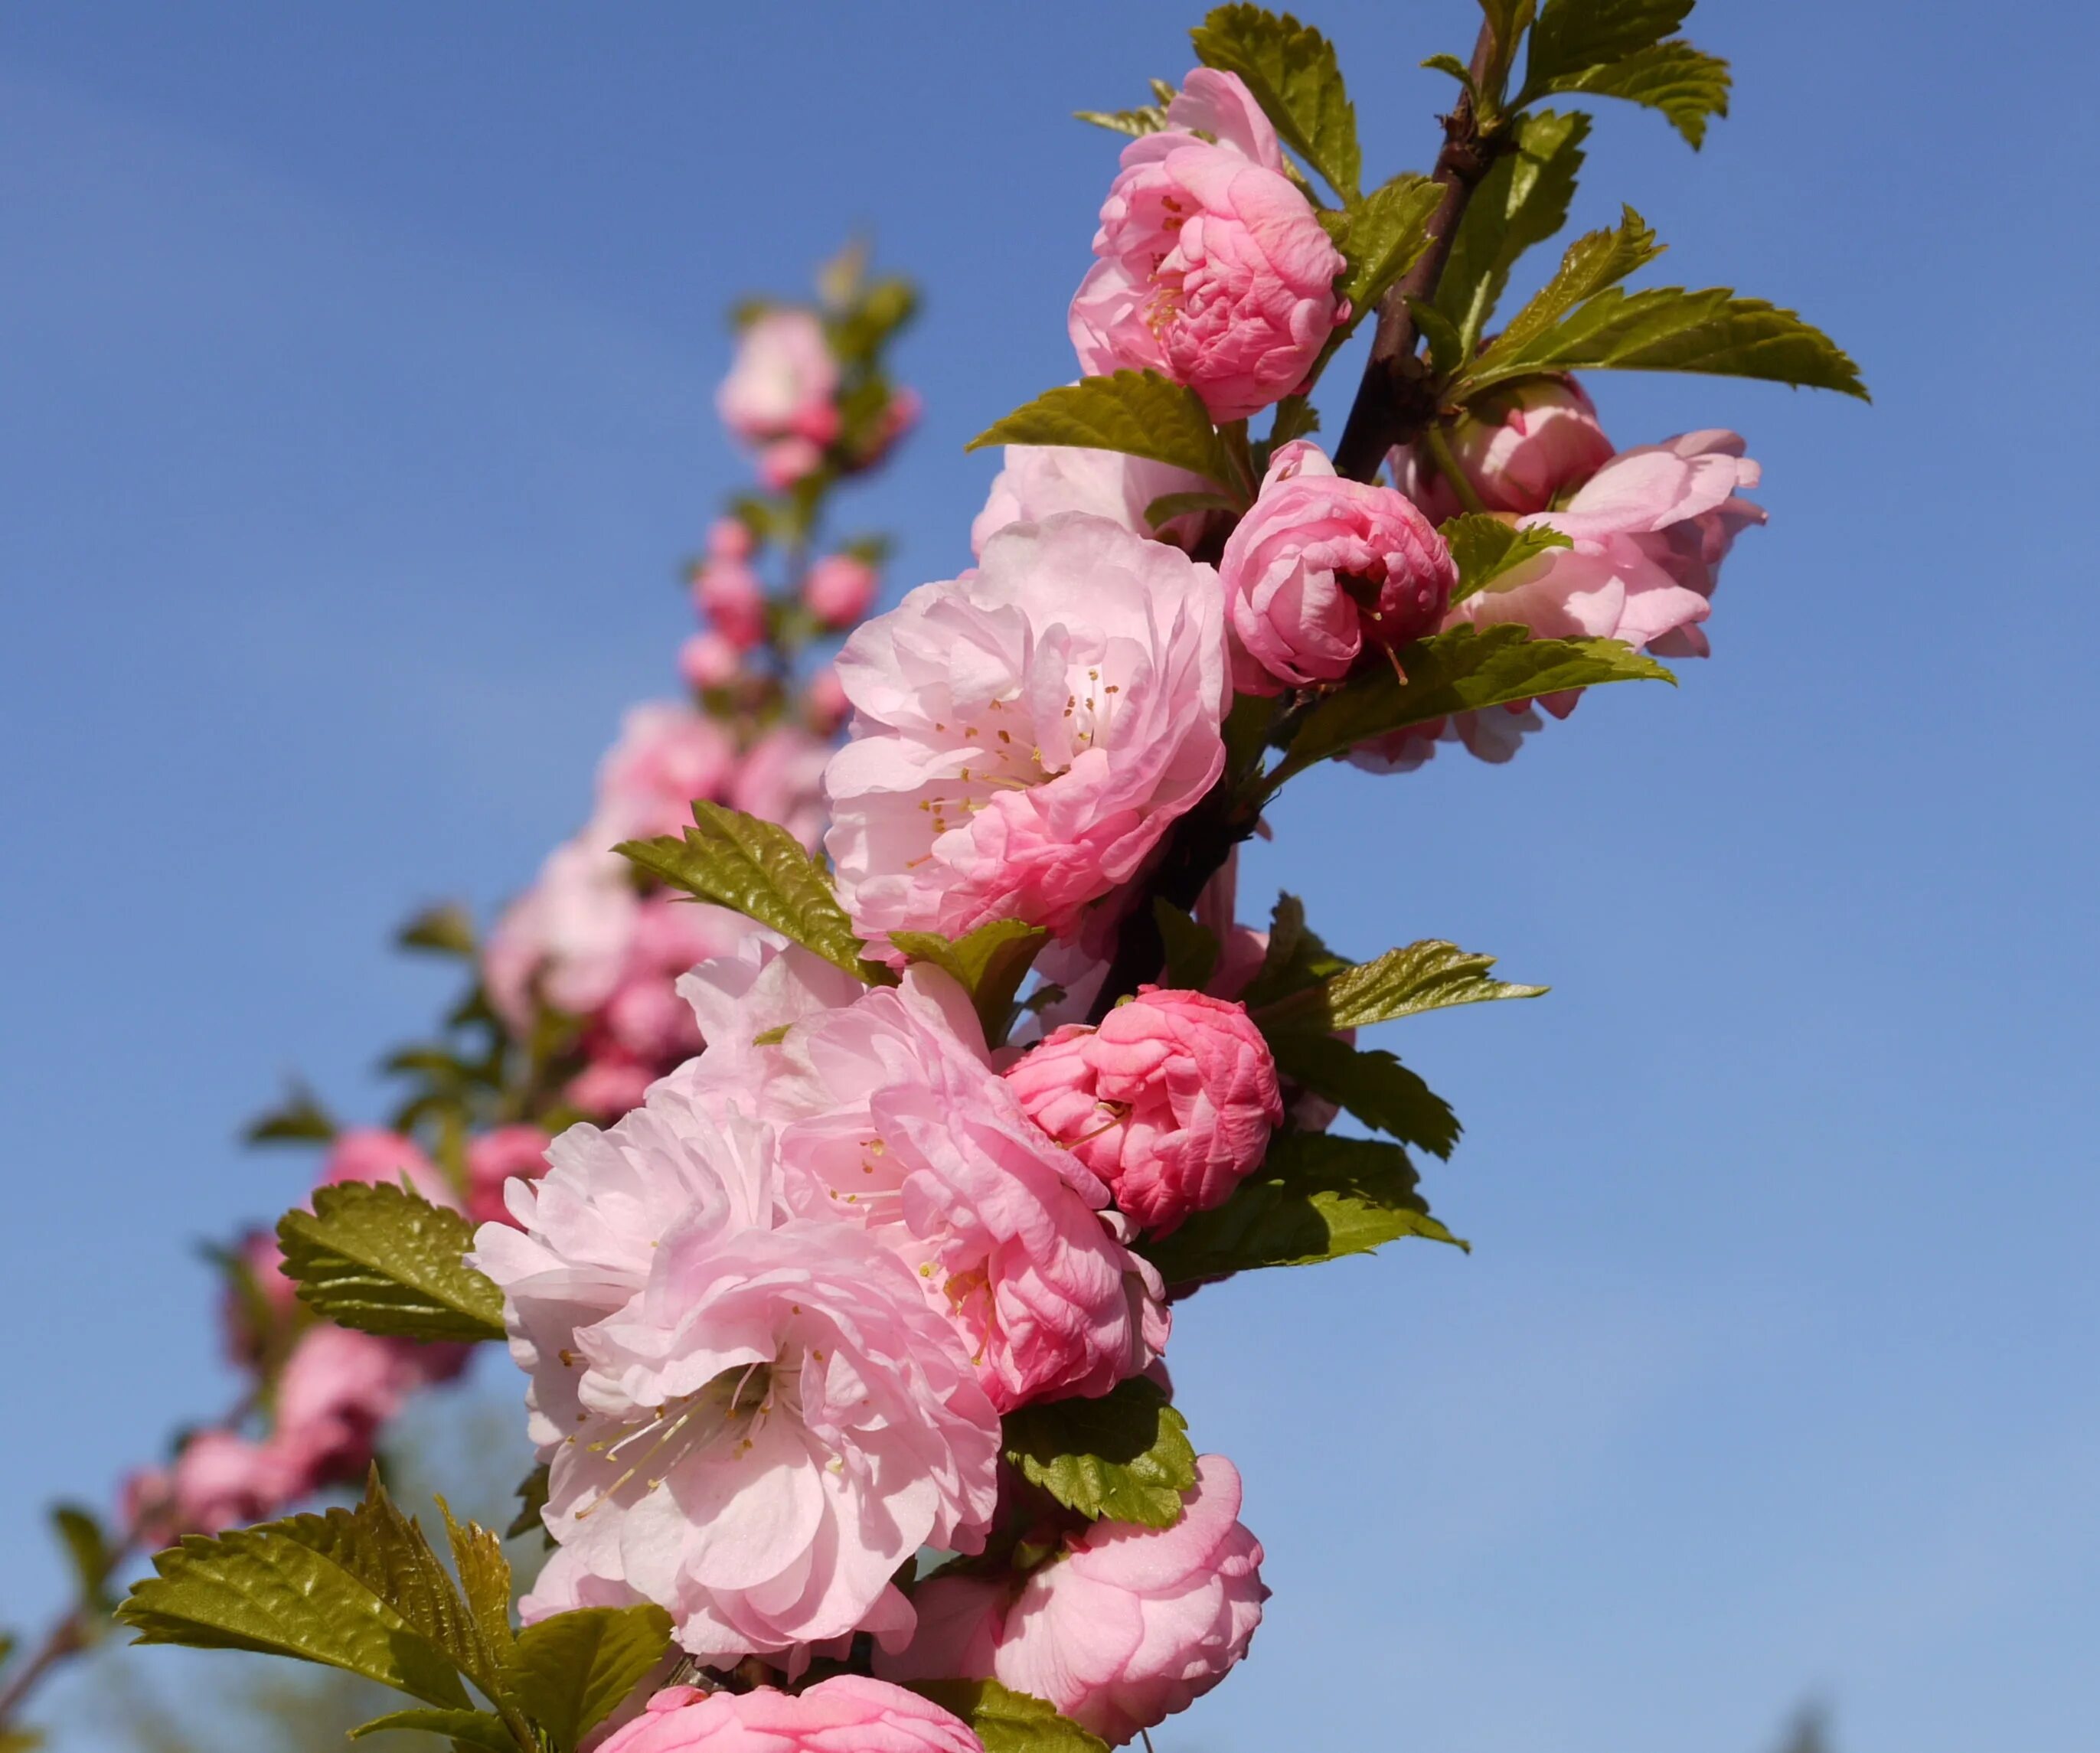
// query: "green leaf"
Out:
[472,1728]
[1381,236]
[1447,346]
[1291,71]
[1429,976]
[1317,1197]
[988,963]
[1295,957]
[570,1672]
[1372,1085]
[1457,69]
[1484,547]
[1125,1456]
[299,1119]
[759,868]
[484,1578]
[1593,261]
[1458,671]
[303,1588]
[1522,202]
[1149,120]
[447,929]
[1008,1722]
[1687,85]
[1138,413]
[531,1500]
[1574,34]
[1509,19]
[1296,418]
[384,1260]
[1169,506]
[87,1550]
[1192,948]
[1667,329]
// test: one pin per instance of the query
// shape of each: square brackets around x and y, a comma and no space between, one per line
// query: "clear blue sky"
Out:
[355,377]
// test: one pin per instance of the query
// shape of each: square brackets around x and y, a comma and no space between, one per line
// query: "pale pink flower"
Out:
[1214,271]
[1024,734]
[1321,565]
[782,779]
[839,590]
[743,1002]
[495,1158]
[610,1084]
[220,1480]
[1520,451]
[845,1714]
[708,660]
[785,461]
[892,1117]
[373,1154]
[338,1388]
[1170,1102]
[566,938]
[729,595]
[824,702]
[752,1420]
[783,381]
[1040,480]
[668,754]
[1129,1626]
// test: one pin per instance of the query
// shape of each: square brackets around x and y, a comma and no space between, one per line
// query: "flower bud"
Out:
[839,590]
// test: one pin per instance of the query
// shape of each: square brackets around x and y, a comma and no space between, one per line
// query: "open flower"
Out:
[848,1713]
[783,381]
[1039,481]
[1024,734]
[1519,450]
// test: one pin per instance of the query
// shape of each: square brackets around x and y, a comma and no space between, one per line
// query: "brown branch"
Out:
[68,1636]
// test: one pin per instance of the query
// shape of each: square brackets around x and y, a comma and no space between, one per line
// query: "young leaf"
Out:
[1593,261]
[1192,948]
[1447,346]
[1008,1722]
[1295,958]
[1523,201]
[532,1495]
[1458,671]
[1372,1085]
[1380,237]
[1169,506]
[484,1578]
[1484,547]
[384,1260]
[87,1550]
[1291,70]
[446,929]
[1687,85]
[467,1728]
[759,868]
[299,1119]
[1572,35]
[570,1672]
[1317,1197]
[988,963]
[1430,975]
[1667,329]
[1123,1457]
[1138,413]
[1149,120]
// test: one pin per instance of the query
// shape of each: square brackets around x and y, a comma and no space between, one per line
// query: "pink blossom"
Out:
[893,1118]
[565,939]
[1024,734]
[744,1003]
[668,754]
[373,1154]
[609,1084]
[268,1295]
[730,539]
[846,1714]
[1040,480]
[1520,451]
[1214,268]
[783,381]
[1129,1626]
[786,461]
[708,660]
[839,589]
[752,1418]
[220,1480]
[494,1158]
[338,1388]
[782,779]
[824,702]
[728,594]
[1170,1101]
[1320,565]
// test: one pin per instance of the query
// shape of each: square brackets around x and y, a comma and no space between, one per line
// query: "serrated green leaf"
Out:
[1005,1721]
[1381,236]
[484,1580]
[1594,261]
[384,1260]
[446,929]
[1458,671]
[1169,506]
[988,963]
[1192,947]
[1447,346]
[570,1672]
[1151,119]
[299,1119]
[1292,72]
[1522,202]
[532,1495]
[1429,976]
[1571,35]
[88,1550]
[1138,413]
[1295,957]
[1124,1456]
[759,868]
[1687,85]
[1317,1197]
[1296,418]
[1483,549]
[1372,1085]
[472,1728]
[1457,69]
[1666,329]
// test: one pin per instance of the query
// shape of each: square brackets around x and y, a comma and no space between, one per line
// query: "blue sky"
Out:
[354,377]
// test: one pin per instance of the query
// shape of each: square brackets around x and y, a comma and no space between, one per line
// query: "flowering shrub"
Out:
[836,1210]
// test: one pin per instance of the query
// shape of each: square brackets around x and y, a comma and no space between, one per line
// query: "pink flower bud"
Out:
[1169,1102]
[839,589]
[1214,268]
[1320,566]
[728,592]
[824,701]
[493,1160]
[222,1480]
[785,461]
[730,539]
[1520,451]
[708,660]
[846,1714]
[251,1322]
